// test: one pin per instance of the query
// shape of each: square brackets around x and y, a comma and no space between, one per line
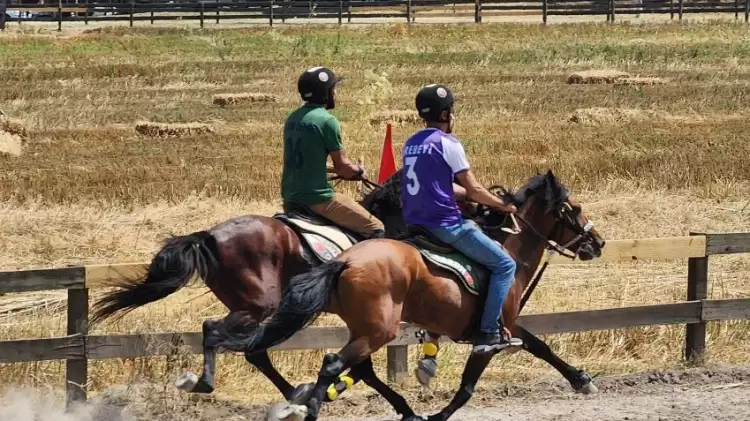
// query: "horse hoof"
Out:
[187,381]
[302,394]
[286,412]
[191,383]
[588,389]
[425,371]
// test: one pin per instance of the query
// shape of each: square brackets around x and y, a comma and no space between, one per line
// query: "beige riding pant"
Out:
[345,211]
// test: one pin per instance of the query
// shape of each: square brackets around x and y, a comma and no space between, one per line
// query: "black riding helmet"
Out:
[315,85]
[432,100]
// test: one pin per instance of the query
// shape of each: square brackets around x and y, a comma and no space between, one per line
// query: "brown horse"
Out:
[376,284]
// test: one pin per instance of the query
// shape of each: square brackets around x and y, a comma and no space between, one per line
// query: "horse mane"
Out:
[553,193]
[385,200]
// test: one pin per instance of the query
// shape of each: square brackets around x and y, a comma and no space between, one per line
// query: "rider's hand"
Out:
[508,208]
[363,175]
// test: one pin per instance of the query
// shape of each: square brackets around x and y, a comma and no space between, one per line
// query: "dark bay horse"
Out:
[246,262]
[376,284]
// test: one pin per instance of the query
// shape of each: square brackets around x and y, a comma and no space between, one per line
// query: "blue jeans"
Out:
[475,244]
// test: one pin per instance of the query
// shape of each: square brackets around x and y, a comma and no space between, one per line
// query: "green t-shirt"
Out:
[310,134]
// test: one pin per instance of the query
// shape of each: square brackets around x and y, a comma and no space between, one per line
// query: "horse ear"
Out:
[553,184]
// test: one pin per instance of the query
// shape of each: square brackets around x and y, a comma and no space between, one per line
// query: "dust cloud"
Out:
[27,404]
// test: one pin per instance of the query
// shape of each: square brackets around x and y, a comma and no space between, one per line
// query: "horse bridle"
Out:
[562,220]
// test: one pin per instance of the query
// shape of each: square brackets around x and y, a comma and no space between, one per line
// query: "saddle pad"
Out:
[473,276]
[330,233]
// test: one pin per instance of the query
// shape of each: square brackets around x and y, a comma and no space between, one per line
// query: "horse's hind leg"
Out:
[475,366]
[353,353]
[191,383]
[241,321]
[365,371]
[579,379]
[263,363]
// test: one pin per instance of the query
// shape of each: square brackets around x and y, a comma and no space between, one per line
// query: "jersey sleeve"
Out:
[455,156]
[332,135]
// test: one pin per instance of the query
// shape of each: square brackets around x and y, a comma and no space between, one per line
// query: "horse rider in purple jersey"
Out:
[432,157]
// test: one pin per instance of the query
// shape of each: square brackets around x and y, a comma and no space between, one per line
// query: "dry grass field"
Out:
[661,150]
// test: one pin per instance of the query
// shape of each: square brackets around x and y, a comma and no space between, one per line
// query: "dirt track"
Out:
[700,394]
[691,395]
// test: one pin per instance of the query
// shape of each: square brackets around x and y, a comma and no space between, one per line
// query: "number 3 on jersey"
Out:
[413,186]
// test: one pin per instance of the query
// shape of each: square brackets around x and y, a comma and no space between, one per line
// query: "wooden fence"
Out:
[337,10]
[78,347]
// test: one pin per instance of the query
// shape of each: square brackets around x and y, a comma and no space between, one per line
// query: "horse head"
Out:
[546,208]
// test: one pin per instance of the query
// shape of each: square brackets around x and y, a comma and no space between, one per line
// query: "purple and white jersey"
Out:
[431,158]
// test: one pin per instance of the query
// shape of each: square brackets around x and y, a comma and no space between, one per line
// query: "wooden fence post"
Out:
[477,11]
[203,10]
[3,8]
[270,13]
[397,362]
[59,15]
[695,333]
[76,370]
[544,11]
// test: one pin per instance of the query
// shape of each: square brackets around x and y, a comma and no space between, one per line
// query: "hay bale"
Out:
[172,129]
[596,76]
[640,81]
[397,118]
[12,126]
[242,98]
[13,135]
[600,115]
[10,144]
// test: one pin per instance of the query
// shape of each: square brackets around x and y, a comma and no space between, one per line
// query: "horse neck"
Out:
[527,248]
[392,219]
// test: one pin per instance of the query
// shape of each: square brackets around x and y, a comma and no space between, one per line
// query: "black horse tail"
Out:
[304,298]
[171,269]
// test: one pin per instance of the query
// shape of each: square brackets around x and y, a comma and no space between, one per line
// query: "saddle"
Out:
[472,275]
[422,238]
[319,234]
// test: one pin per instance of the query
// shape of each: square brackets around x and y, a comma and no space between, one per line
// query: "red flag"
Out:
[387,159]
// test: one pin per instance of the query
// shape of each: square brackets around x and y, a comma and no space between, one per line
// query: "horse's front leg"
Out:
[427,365]
[579,379]
[473,370]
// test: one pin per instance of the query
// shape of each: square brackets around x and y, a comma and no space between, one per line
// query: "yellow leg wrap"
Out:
[429,349]
[348,380]
[335,389]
